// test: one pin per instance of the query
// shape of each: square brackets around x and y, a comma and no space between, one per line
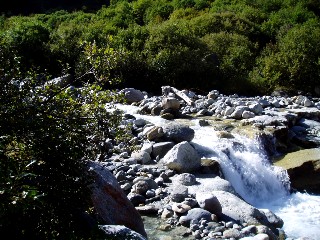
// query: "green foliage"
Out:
[105,62]
[217,22]
[235,56]
[155,39]
[286,18]
[47,136]
[29,39]
[293,63]
[158,12]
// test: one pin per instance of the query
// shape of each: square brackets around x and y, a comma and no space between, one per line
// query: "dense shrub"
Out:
[235,56]
[30,40]
[166,33]
[286,18]
[292,63]
[47,135]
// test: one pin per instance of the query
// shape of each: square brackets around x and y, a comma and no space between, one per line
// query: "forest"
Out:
[48,132]
[236,46]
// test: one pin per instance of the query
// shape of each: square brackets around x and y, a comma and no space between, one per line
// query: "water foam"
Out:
[247,168]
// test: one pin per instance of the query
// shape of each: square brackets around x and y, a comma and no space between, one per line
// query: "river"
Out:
[246,166]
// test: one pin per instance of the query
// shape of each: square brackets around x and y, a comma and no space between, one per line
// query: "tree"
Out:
[48,133]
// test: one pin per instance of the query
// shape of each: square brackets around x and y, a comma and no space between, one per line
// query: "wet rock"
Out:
[195,214]
[178,133]
[118,232]
[274,220]
[303,168]
[236,209]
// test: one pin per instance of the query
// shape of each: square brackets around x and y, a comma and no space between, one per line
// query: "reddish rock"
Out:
[111,203]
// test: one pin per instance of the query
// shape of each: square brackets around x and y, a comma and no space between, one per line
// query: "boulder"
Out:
[178,132]
[160,149]
[195,214]
[186,179]
[132,95]
[141,156]
[170,103]
[209,202]
[303,168]
[119,232]
[182,158]
[236,209]
[111,203]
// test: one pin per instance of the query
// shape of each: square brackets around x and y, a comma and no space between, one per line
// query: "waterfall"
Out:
[246,166]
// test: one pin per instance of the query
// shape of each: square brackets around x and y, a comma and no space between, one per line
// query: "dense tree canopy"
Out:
[167,42]
[48,132]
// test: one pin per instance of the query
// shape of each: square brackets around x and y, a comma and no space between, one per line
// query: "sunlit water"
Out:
[261,184]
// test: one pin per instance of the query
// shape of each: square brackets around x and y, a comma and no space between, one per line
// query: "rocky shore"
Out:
[163,177]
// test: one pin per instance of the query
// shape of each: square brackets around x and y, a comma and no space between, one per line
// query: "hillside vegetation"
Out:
[236,46]
[49,132]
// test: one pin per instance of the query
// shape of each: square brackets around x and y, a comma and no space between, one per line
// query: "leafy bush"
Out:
[293,63]
[47,135]
[285,18]
[158,12]
[216,22]
[29,39]
[235,56]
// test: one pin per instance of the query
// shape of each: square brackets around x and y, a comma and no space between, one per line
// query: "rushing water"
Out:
[248,169]
[261,184]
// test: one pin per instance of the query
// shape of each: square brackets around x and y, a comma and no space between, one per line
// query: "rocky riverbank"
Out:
[164,177]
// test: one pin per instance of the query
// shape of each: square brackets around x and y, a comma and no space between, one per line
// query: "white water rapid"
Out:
[261,184]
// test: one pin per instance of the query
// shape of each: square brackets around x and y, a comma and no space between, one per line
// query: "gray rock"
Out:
[178,133]
[182,158]
[141,156]
[261,229]
[140,188]
[256,108]
[151,183]
[236,209]
[186,179]
[195,213]
[170,103]
[179,193]
[119,232]
[132,95]
[237,113]
[160,149]
[232,233]
[209,202]
[273,220]
[247,114]
[153,133]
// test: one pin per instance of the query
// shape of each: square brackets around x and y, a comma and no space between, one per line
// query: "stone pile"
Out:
[161,177]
